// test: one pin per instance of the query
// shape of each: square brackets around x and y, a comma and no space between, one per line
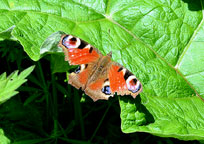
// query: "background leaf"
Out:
[3,138]
[8,85]
[159,41]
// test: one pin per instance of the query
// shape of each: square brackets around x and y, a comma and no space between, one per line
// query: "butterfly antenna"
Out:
[110,54]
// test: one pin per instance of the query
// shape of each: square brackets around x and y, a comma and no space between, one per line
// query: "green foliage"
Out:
[160,41]
[8,85]
[3,138]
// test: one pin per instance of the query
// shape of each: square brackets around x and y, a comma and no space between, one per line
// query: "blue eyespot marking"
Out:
[65,41]
[78,70]
[134,85]
[106,90]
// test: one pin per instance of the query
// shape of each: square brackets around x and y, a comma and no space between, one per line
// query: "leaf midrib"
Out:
[191,39]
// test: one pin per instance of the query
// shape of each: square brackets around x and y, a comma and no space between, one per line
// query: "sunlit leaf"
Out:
[160,41]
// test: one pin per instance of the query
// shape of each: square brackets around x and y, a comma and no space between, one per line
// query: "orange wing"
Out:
[77,51]
[123,81]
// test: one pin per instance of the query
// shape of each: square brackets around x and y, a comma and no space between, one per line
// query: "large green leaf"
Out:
[159,41]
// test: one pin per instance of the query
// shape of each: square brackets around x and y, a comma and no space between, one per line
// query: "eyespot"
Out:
[78,70]
[82,45]
[71,42]
[133,84]
[73,39]
[81,68]
[106,90]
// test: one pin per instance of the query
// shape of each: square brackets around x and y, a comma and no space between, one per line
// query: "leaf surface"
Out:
[160,41]
[8,85]
[3,138]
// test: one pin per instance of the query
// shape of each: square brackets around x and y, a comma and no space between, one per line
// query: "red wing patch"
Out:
[97,85]
[81,56]
[117,81]
[83,76]
[77,51]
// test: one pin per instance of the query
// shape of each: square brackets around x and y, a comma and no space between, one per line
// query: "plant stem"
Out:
[99,123]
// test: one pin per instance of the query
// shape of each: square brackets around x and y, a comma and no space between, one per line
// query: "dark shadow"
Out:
[194,5]
[72,68]
[13,57]
[140,107]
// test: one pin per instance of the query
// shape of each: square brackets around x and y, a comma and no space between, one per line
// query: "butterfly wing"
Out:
[77,51]
[116,78]
[81,75]
[98,85]
[100,88]
[123,81]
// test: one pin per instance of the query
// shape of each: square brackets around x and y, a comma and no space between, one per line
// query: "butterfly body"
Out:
[100,69]
[97,75]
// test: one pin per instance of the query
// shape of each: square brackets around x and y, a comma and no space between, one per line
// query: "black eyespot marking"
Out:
[73,39]
[82,44]
[78,70]
[90,50]
[106,90]
[86,65]
[121,68]
[127,74]
[134,85]
[134,81]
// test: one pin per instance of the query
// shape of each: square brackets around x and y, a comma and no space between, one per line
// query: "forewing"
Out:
[77,51]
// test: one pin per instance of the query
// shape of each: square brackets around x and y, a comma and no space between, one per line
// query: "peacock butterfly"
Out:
[97,75]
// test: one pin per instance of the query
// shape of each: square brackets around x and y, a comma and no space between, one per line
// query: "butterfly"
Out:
[97,75]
